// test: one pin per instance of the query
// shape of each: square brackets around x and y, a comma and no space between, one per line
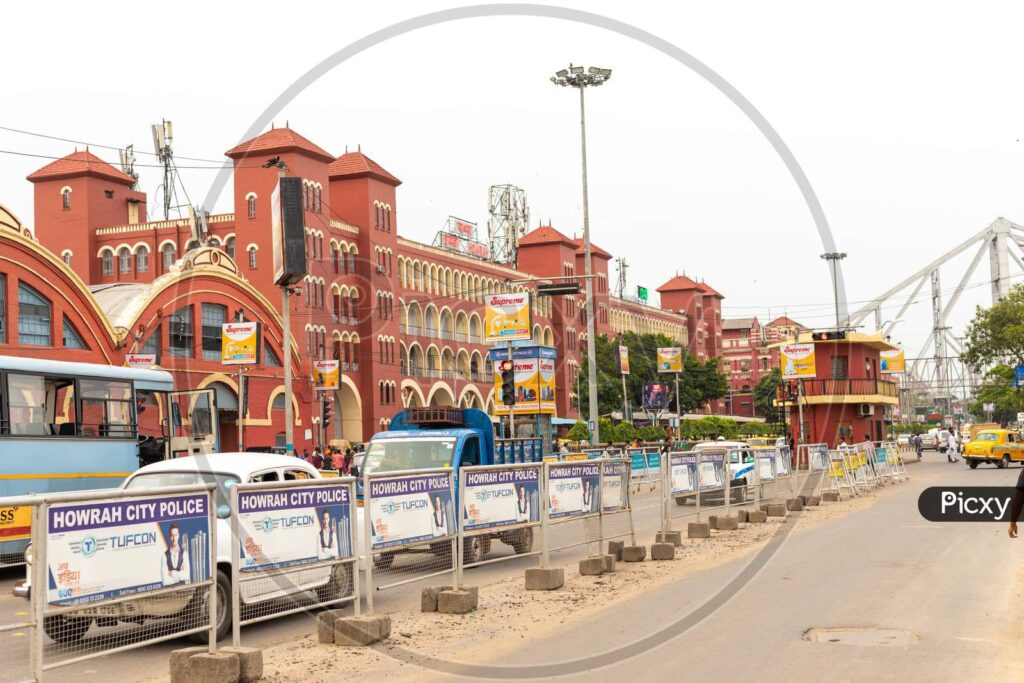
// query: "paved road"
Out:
[957,588]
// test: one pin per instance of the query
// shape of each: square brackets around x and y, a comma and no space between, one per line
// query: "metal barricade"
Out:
[18,638]
[113,570]
[294,548]
[410,528]
[499,503]
[573,506]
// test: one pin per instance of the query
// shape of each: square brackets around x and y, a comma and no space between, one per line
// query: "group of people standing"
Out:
[330,458]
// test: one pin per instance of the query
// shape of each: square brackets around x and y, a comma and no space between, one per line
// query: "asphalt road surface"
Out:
[947,598]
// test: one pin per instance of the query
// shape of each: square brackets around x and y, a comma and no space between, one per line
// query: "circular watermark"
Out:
[730,589]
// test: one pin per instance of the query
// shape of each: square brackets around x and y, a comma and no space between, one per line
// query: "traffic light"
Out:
[834,335]
[507,385]
[327,414]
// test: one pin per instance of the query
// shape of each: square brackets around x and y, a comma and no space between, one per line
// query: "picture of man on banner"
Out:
[326,547]
[440,517]
[522,504]
[174,565]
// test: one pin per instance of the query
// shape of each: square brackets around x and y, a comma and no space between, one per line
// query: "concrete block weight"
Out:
[663,551]
[698,530]
[544,578]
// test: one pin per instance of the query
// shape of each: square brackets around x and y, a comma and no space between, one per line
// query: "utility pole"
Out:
[286,342]
[580,78]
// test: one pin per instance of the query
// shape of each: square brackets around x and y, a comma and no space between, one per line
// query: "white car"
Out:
[226,470]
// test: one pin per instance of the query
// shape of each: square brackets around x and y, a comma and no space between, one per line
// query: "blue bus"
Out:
[71,426]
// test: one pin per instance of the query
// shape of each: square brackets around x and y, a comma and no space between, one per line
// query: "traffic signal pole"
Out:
[512,407]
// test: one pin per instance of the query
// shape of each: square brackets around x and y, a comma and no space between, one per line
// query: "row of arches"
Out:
[442,395]
[628,321]
[444,363]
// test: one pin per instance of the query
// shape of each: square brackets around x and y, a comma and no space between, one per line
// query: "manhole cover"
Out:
[864,637]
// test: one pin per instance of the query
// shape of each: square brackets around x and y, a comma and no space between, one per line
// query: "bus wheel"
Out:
[65,630]
[340,585]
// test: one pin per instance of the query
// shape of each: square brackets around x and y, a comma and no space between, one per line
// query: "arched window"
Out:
[167,252]
[142,259]
[252,257]
[124,258]
[72,340]
[229,247]
[66,257]
[33,317]
[316,199]
[107,260]
[250,202]
[65,198]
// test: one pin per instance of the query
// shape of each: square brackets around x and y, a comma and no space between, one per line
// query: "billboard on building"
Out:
[624,360]
[507,317]
[797,361]
[534,368]
[240,343]
[140,361]
[893,361]
[670,359]
[326,375]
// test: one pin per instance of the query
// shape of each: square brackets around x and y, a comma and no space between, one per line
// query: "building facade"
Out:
[405,319]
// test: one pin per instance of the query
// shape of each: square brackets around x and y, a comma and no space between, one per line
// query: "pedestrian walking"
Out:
[338,460]
[318,459]
[951,449]
[918,447]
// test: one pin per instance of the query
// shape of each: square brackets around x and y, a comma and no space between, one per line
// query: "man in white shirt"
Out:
[174,565]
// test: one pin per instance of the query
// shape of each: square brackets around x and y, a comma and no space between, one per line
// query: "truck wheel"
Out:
[64,630]
[739,495]
[340,586]
[1005,462]
[472,550]
[383,560]
[522,541]
[197,612]
[973,464]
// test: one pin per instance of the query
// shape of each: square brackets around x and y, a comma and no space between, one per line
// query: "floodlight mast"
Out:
[581,78]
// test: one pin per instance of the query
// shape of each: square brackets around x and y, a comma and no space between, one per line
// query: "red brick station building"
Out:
[93,281]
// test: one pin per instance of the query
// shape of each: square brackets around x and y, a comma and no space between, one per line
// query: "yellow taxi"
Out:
[997,446]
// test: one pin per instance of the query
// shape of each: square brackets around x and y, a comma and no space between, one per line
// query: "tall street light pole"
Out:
[834,257]
[581,78]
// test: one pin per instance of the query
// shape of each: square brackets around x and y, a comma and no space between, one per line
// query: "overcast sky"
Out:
[905,117]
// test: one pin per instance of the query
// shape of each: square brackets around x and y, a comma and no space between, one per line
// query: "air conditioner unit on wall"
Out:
[865,410]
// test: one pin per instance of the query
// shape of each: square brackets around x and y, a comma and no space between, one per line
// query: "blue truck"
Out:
[427,438]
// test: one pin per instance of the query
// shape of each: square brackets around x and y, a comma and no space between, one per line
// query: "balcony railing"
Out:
[848,387]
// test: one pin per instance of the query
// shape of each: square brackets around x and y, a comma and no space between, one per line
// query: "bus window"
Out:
[26,399]
[107,408]
[65,415]
[151,412]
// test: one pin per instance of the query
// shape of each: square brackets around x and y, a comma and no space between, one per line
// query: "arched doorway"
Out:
[348,414]
[441,396]
[227,414]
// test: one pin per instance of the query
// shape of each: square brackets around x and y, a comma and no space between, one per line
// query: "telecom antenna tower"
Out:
[163,135]
[509,218]
[127,156]
[620,281]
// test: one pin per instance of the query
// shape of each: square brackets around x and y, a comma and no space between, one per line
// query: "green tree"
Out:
[624,432]
[699,383]
[996,334]
[579,432]
[998,388]
[765,392]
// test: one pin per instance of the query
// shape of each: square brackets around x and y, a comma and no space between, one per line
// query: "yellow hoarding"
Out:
[15,522]
[326,375]
[240,343]
[797,361]
[893,361]
[624,360]
[670,359]
[534,372]
[507,317]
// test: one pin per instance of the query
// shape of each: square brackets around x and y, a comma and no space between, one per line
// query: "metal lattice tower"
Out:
[620,280]
[509,218]
[936,373]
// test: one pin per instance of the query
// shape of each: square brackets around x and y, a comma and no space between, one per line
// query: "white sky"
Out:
[904,116]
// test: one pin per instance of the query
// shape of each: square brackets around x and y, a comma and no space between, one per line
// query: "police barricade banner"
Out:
[782,459]
[614,485]
[286,527]
[107,549]
[766,462]
[682,472]
[410,509]
[501,497]
[710,470]
[637,462]
[818,456]
[573,489]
